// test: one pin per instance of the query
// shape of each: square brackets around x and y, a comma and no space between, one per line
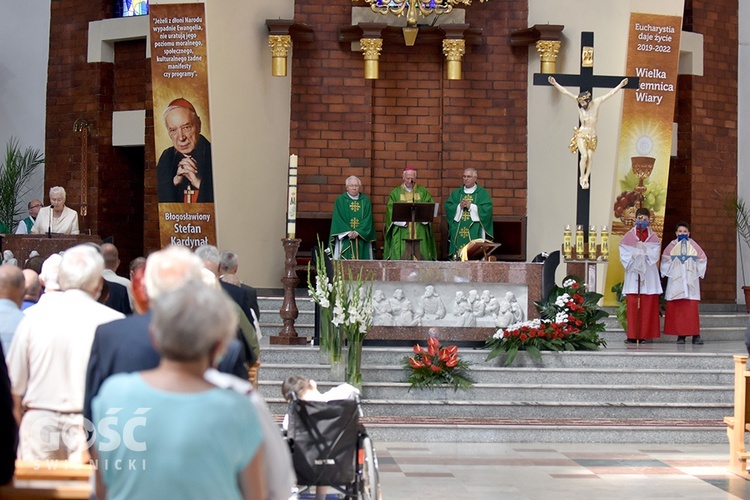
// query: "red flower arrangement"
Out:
[571,321]
[437,365]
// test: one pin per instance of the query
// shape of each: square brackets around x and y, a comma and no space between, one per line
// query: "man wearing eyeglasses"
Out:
[24,227]
[469,214]
[184,173]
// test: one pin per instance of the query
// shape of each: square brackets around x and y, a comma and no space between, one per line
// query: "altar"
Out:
[453,301]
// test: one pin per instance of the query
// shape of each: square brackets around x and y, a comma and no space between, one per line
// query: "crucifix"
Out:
[585,81]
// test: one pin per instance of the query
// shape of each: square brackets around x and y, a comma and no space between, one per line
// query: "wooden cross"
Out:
[585,81]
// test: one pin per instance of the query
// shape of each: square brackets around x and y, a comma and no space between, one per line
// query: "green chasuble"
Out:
[472,224]
[395,235]
[352,215]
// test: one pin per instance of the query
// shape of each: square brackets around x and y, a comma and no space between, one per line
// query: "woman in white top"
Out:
[57,218]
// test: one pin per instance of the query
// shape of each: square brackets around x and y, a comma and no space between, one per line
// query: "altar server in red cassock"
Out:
[684,263]
[640,249]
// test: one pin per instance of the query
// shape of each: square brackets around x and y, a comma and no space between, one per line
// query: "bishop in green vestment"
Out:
[397,232]
[352,228]
[469,213]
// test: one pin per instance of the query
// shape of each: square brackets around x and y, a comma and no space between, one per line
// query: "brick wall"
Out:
[118,195]
[345,125]
[705,170]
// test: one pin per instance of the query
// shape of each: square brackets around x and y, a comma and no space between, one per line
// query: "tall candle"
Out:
[579,242]
[291,212]
[592,243]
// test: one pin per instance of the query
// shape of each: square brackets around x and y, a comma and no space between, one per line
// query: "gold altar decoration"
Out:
[454,49]
[280,45]
[548,50]
[414,8]
[371,48]
[81,126]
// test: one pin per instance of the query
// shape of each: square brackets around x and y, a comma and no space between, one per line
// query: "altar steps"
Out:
[655,393]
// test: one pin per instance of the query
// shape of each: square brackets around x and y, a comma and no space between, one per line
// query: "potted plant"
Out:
[741,214]
[15,172]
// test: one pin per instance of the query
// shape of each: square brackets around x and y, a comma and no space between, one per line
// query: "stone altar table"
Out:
[407,298]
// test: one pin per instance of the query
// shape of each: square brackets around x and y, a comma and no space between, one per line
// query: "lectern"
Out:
[413,213]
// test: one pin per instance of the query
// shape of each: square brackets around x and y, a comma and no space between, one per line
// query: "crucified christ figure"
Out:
[584,138]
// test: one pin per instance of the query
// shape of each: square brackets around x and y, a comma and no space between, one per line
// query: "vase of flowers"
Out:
[352,312]
[437,366]
[336,357]
[322,294]
[570,321]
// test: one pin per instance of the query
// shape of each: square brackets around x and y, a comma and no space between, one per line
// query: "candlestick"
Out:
[567,243]
[291,212]
[579,242]
[605,244]
[592,242]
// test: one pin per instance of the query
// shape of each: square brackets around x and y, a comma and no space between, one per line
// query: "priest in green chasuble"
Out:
[352,229]
[469,213]
[396,233]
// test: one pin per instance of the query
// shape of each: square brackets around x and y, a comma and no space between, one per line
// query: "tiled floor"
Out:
[471,471]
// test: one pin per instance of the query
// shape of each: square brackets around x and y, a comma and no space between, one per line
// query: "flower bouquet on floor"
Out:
[437,366]
[352,313]
[570,321]
[322,294]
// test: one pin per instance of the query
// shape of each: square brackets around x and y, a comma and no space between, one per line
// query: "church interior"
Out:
[78,84]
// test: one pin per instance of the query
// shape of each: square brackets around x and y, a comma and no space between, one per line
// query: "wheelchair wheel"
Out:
[369,482]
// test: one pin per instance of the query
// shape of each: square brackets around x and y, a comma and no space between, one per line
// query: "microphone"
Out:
[49,228]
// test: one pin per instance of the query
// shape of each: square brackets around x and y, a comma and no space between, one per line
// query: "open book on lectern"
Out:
[414,212]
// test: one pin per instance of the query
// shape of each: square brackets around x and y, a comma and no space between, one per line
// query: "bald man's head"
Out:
[32,285]
[12,284]
[111,256]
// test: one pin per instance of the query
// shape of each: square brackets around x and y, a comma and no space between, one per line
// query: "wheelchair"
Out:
[331,448]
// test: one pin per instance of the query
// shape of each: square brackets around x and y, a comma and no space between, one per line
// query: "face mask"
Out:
[682,237]
[641,224]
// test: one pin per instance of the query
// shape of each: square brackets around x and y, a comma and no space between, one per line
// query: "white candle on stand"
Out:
[291,212]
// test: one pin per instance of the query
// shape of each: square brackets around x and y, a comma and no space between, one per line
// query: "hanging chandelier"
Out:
[423,8]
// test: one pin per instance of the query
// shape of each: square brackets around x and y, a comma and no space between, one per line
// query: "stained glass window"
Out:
[126,8]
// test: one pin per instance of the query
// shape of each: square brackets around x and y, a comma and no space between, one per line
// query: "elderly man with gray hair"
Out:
[352,228]
[48,357]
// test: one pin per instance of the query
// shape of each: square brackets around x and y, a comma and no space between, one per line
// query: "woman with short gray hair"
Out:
[186,437]
[56,218]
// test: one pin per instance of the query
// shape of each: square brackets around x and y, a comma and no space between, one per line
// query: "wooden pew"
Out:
[739,423]
[53,479]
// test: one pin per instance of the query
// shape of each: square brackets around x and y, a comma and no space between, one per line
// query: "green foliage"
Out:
[738,210]
[570,321]
[437,366]
[622,306]
[15,172]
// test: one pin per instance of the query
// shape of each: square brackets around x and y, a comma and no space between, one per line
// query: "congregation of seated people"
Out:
[168,351]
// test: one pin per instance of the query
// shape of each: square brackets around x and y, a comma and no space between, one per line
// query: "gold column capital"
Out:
[371,48]
[454,49]
[280,45]
[548,50]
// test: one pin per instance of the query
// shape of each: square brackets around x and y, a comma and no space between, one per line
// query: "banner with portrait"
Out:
[182,131]
[646,131]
